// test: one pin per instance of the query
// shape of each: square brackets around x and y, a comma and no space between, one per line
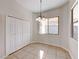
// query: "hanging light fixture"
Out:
[40,18]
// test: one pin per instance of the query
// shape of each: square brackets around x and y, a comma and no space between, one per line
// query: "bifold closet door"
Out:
[17,34]
[10,34]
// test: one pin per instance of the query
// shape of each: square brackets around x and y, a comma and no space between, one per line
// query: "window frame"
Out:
[72,23]
[48,27]
[58,26]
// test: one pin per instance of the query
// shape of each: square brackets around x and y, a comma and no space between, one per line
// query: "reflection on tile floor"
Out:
[40,51]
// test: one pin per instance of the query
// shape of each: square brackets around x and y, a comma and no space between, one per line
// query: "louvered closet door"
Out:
[10,35]
[26,32]
[17,34]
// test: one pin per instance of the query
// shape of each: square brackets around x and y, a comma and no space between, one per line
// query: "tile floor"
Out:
[40,51]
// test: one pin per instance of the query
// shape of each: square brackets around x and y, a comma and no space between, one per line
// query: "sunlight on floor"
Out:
[41,54]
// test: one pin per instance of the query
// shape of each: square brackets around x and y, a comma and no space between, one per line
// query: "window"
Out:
[75,21]
[49,26]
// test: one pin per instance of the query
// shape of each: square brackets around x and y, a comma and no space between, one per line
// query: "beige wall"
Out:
[2,34]
[12,8]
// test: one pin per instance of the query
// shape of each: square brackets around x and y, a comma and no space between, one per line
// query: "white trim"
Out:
[74,4]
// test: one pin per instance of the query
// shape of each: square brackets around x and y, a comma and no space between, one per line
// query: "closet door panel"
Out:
[13,35]
[26,32]
[8,24]
[17,34]
[10,34]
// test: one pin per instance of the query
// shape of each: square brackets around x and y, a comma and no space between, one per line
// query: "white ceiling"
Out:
[34,5]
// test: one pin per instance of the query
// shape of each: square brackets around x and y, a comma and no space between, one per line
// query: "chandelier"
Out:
[41,18]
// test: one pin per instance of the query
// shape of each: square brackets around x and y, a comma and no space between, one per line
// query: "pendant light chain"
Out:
[40,8]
